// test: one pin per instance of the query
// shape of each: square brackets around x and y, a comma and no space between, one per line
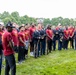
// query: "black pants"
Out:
[0,63]
[36,48]
[71,40]
[16,49]
[66,44]
[43,46]
[32,45]
[21,53]
[10,65]
[75,44]
[26,52]
[0,59]
[50,45]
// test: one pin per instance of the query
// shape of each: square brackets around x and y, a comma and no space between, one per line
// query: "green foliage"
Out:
[6,20]
[15,17]
[66,21]
[63,21]
[4,15]
[46,21]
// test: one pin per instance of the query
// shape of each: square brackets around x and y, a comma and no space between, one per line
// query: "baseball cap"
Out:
[9,24]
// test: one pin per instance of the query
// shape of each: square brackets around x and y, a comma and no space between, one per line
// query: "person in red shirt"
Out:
[21,37]
[66,38]
[14,34]
[71,34]
[27,35]
[32,30]
[1,32]
[8,50]
[49,33]
[1,48]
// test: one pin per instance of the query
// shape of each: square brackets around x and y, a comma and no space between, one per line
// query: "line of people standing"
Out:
[40,40]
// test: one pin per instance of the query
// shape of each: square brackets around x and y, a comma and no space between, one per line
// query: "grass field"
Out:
[56,63]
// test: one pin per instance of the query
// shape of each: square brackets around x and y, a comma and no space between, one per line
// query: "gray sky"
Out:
[41,8]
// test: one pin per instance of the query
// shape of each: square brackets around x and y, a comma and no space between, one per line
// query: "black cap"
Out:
[9,24]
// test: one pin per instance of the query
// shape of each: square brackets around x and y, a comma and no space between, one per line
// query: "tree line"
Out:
[15,17]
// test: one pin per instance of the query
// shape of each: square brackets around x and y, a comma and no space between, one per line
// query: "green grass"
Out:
[56,63]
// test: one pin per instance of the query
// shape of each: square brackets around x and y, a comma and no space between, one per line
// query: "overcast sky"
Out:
[41,8]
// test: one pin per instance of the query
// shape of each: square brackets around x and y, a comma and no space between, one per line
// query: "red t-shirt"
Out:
[50,33]
[6,37]
[66,34]
[71,31]
[27,34]
[32,30]
[14,34]
[22,36]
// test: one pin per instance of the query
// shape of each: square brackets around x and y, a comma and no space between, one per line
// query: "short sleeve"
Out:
[9,37]
[19,35]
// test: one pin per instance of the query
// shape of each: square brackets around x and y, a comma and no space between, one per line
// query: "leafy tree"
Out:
[66,21]
[4,15]
[15,17]
[46,21]
[6,20]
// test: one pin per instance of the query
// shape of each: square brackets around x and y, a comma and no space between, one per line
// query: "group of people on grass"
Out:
[36,38]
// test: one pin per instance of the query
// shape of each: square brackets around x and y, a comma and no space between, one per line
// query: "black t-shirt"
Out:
[42,33]
[61,33]
[56,34]
[36,35]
